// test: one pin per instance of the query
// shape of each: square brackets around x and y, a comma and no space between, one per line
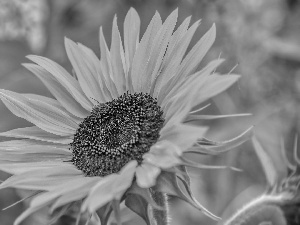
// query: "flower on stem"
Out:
[116,131]
[279,205]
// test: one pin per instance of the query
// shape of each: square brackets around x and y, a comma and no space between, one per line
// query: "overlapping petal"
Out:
[146,175]
[46,115]
[164,155]
[111,187]
[36,133]
[85,73]
[49,197]
[63,77]
[58,90]
[143,52]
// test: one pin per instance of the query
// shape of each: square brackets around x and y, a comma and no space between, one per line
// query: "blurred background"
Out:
[260,39]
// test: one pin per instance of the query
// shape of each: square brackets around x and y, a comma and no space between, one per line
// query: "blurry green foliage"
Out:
[261,37]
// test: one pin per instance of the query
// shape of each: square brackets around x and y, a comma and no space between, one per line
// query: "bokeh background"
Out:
[260,39]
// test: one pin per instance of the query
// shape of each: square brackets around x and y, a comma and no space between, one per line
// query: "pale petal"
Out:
[182,85]
[21,147]
[17,168]
[106,66]
[157,52]
[163,154]
[146,175]
[102,93]
[31,210]
[142,54]
[42,179]
[63,77]
[172,62]
[190,63]
[58,90]
[36,133]
[182,135]
[177,37]
[186,94]
[48,198]
[196,54]
[117,59]
[75,195]
[13,144]
[193,117]
[215,84]
[36,183]
[83,70]
[111,187]
[131,36]
[48,117]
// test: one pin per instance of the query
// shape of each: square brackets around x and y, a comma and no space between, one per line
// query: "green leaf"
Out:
[266,162]
[138,205]
[145,193]
[59,213]
[168,183]
[104,213]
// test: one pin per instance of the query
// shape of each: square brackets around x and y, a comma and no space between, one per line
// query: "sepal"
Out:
[104,213]
[169,183]
[209,147]
[138,205]
[145,193]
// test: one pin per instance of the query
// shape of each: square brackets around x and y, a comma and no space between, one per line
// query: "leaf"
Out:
[104,213]
[168,183]
[138,205]
[145,193]
[59,213]
[266,162]
[117,211]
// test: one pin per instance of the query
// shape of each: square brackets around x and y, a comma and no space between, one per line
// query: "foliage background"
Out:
[260,39]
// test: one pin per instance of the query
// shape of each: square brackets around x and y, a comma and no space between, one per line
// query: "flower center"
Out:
[115,133]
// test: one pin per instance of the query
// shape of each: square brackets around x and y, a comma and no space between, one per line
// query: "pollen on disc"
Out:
[115,133]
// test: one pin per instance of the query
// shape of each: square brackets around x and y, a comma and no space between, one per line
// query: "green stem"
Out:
[260,211]
[157,216]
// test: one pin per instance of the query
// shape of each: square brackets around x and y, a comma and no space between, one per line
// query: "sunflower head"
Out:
[115,133]
[120,129]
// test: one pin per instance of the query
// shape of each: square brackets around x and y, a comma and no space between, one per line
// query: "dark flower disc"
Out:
[115,133]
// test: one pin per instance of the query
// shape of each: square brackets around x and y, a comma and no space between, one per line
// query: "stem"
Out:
[157,216]
[259,211]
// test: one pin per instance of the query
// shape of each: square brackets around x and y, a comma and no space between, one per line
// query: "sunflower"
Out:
[116,130]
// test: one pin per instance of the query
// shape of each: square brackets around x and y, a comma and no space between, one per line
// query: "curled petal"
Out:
[146,175]
[163,155]
[110,187]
